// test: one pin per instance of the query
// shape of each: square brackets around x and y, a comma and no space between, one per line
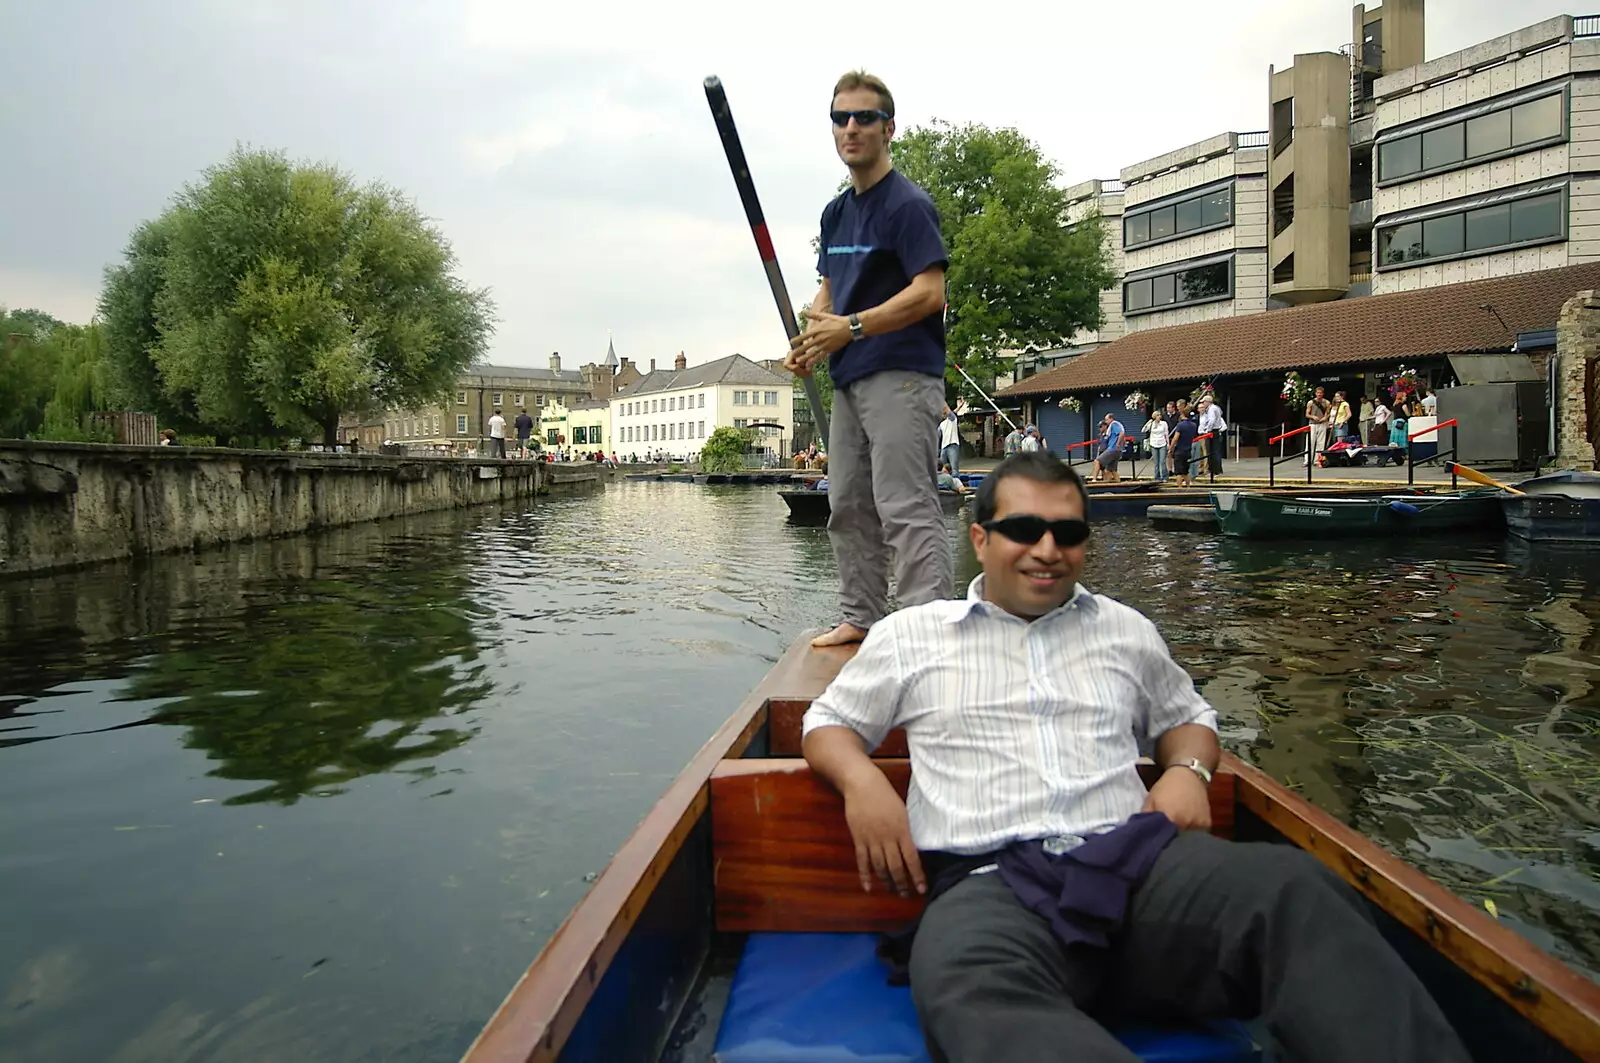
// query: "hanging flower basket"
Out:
[1296,390]
[1071,402]
[1136,401]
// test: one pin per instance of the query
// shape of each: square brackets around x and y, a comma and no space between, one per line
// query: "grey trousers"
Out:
[1217,930]
[883,493]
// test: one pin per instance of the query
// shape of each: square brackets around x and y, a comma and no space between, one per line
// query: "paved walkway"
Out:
[1252,470]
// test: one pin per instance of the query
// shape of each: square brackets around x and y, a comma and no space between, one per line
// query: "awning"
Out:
[1492,368]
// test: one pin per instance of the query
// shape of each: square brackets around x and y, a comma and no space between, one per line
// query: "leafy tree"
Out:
[724,450]
[1019,274]
[272,296]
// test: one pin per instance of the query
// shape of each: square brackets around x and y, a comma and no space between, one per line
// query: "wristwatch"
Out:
[855,327]
[1195,766]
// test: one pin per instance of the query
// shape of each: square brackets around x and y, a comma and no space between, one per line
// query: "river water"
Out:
[325,798]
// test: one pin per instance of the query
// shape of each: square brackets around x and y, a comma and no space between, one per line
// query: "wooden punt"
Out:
[747,845]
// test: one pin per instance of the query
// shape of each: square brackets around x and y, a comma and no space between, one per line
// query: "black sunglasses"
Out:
[863,118]
[1028,530]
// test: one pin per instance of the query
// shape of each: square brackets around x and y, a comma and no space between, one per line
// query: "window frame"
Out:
[1565,214]
[1146,211]
[1382,180]
[1231,262]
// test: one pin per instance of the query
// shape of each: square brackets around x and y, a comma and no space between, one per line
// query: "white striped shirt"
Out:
[1017,731]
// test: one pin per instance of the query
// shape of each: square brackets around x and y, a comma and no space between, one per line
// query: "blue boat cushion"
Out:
[824,998]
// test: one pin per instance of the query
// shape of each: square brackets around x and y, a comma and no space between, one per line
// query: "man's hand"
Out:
[824,334]
[1182,797]
[882,833]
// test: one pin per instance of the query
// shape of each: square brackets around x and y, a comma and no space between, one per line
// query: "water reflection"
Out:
[485,703]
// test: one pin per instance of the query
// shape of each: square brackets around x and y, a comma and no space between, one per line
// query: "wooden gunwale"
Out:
[534,1021]
[1556,998]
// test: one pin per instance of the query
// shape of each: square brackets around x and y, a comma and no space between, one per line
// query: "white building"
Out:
[1486,159]
[675,410]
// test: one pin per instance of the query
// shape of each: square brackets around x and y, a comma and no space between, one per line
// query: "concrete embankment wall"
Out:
[68,504]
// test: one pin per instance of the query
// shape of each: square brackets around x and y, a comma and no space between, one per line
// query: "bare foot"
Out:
[842,635]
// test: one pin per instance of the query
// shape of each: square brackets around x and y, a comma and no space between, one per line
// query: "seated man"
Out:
[1060,888]
[948,481]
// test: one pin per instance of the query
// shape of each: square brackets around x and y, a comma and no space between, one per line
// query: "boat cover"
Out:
[825,998]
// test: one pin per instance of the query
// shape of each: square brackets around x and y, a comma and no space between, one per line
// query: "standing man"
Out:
[1317,410]
[878,320]
[497,435]
[1211,421]
[950,440]
[524,430]
[1111,433]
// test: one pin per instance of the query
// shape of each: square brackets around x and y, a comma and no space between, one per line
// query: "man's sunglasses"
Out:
[1029,530]
[863,118]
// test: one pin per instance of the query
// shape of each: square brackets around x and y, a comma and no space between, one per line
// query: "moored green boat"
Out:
[1256,515]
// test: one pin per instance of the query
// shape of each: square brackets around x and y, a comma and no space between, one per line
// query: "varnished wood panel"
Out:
[1560,1000]
[785,717]
[783,855]
[535,1019]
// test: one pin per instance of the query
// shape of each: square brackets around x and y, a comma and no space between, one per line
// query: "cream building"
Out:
[1486,159]
[1194,233]
[675,410]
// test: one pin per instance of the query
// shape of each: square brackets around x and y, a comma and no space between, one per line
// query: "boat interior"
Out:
[732,926]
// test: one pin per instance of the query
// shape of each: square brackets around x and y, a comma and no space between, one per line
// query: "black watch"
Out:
[855,327]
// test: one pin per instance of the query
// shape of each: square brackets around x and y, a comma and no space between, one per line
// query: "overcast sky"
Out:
[566,149]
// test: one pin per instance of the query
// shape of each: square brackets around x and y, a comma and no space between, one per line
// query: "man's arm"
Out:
[852,716]
[827,332]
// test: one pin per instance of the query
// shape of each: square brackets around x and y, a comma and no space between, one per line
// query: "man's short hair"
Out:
[1034,465]
[860,79]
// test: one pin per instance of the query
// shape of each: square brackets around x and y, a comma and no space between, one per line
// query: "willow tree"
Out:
[273,296]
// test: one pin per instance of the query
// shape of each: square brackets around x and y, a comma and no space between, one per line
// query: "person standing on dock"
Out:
[497,435]
[1317,410]
[878,319]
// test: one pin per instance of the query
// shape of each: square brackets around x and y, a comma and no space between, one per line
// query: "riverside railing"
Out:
[1412,463]
[1273,463]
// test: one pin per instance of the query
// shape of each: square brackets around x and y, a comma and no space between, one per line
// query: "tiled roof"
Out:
[1398,327]
[486,373]
[734,369]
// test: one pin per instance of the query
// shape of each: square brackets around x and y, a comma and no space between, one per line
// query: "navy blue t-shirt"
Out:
[872,245]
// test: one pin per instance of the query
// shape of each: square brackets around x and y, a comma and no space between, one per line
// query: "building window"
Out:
[517,398]
[1509,129]
[461,424]
[1199,211]
[461,398]
[1200,283]
[1533,219]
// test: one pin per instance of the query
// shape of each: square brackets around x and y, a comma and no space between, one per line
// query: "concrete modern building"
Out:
[675,410]
[1487,159]
[1194,234]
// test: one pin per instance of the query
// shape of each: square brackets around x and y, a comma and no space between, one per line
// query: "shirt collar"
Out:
[975,602]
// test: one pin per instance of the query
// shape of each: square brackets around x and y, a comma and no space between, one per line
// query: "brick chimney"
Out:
[555,361]
[680,363]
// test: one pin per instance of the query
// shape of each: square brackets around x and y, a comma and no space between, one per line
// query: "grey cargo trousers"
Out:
[883,447]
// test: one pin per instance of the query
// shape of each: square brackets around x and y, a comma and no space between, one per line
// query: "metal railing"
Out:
[1283,459]
[1412,463]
